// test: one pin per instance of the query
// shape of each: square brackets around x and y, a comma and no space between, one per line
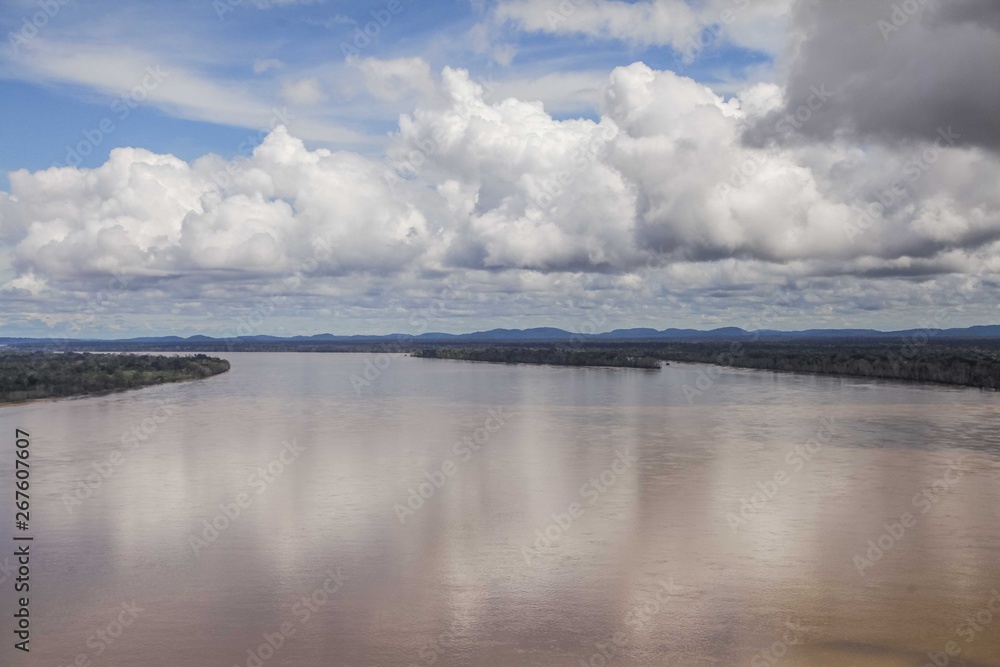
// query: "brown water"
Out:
[654,565]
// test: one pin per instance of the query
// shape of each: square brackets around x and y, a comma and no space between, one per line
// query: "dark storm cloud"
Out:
[899,70]
[979,12]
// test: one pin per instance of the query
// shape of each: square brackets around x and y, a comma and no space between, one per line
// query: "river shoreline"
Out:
[27,377]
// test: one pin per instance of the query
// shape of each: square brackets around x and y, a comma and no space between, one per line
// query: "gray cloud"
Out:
[900,70]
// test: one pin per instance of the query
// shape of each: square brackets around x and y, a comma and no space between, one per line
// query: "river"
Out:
[356,510]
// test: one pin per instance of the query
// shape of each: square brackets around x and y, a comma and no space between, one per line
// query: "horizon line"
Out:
[553,331]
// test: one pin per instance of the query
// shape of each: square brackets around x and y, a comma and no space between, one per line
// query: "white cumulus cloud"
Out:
[657,204]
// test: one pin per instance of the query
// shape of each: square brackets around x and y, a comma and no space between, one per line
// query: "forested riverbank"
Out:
[28,376]
[970,364]
[549,355]
[965,364]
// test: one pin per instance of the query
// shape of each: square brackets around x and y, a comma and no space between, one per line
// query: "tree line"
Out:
[551,355]
[970,364]
[965,363]
[33,375]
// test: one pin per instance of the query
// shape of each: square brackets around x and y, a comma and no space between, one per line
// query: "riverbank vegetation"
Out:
[964,362]
[34,375]
[550,355]
[970,364]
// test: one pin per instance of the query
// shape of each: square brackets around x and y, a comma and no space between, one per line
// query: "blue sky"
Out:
[217,166]
[46,114]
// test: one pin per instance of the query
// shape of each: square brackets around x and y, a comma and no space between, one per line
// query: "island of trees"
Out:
[550,355]
[964,363]
[34,375]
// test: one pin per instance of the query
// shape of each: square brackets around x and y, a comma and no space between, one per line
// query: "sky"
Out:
[286,167]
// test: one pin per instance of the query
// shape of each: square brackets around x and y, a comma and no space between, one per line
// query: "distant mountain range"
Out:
[549,334]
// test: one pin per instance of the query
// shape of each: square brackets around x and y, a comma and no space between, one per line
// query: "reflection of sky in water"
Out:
[452,581]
